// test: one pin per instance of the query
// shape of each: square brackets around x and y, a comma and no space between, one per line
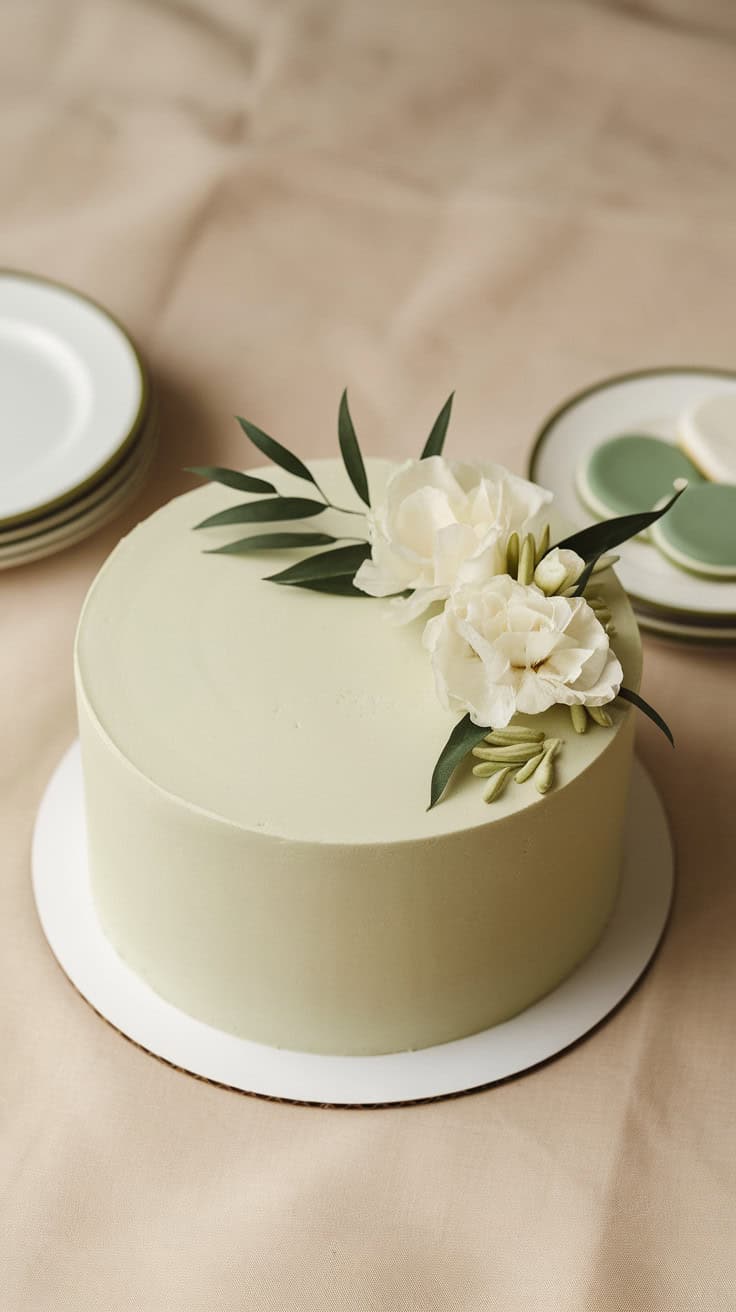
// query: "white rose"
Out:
[504,648]
[441,523]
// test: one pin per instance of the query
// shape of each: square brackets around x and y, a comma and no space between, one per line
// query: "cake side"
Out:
[350,948]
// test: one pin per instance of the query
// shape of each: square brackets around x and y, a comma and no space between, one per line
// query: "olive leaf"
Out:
[463,738]
[341,586]
[585,577]
[260,512]
[231,478]
[271,542]
[636,700]
[340,563]
[436,440]
[352,459]
[594,541]
[276,452]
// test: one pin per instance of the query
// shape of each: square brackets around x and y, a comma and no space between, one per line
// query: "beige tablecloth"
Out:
[510,199]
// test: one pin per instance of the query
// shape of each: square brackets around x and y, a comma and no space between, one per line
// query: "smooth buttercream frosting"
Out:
[257,763]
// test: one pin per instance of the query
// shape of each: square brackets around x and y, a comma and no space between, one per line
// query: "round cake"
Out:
[257,762]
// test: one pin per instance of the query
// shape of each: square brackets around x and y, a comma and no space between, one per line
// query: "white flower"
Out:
[504,648]
[559,569]
[442,523]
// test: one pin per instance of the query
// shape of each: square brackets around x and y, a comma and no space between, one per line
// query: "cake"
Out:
[257,763]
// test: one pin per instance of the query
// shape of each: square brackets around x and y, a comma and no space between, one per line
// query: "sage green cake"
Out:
[256,766]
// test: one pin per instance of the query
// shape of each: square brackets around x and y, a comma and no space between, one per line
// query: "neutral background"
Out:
[512,199]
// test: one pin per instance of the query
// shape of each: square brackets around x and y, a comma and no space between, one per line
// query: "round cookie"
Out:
[699,532]
[631,473]
[708,436]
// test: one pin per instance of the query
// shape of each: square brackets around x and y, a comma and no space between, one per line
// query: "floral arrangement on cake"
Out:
[512,623]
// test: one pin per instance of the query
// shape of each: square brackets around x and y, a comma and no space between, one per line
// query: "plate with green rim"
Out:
[101,491]
[647,401]
[80,524]
[73,395]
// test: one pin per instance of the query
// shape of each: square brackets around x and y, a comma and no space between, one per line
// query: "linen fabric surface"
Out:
[508,199]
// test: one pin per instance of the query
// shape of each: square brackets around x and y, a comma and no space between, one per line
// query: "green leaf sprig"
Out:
[329,571]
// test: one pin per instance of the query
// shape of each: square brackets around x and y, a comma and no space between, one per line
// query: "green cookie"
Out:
[699,532]
[631,473]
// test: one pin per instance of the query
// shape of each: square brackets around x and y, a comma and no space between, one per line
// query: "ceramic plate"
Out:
[100,492]
[711,635]
[646,402]
[72,394]
[49,541]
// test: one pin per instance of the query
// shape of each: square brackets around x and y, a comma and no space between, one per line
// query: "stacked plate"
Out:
[77,422]
[667,599]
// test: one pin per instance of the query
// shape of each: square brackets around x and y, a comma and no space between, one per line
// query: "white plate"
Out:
[647,402]
[706,635]
[72,390]
[67,915]
[121,474]
[50,541]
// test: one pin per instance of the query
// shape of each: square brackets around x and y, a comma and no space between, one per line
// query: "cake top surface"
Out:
[288,712]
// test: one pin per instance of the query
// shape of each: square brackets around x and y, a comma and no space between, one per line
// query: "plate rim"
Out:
[83,526]
[124,472]
[630,375]
[54,503]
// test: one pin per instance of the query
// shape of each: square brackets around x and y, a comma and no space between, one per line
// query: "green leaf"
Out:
[585,577]
[599,538]
[261,512]
[231,478]
[351,457]
[636,700]
[463,738]
[436,440]
[341,562]
[275,451]
[342,586]
[271,542]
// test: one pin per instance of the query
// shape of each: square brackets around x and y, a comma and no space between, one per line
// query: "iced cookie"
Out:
[708,436]
[699,532]
[630,473]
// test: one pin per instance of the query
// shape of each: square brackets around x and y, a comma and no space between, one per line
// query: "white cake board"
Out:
[66,910]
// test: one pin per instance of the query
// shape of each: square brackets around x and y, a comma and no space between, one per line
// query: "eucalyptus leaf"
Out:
[351,457]
[636,700]
[276,452]
[594,541]
[231,478]
[462,740]
[325,565]
[261,512]
[342,586]
[436,440]
[585,577]
[271,542]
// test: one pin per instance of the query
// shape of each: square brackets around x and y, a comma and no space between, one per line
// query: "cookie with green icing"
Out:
[699,532]
[631,473]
